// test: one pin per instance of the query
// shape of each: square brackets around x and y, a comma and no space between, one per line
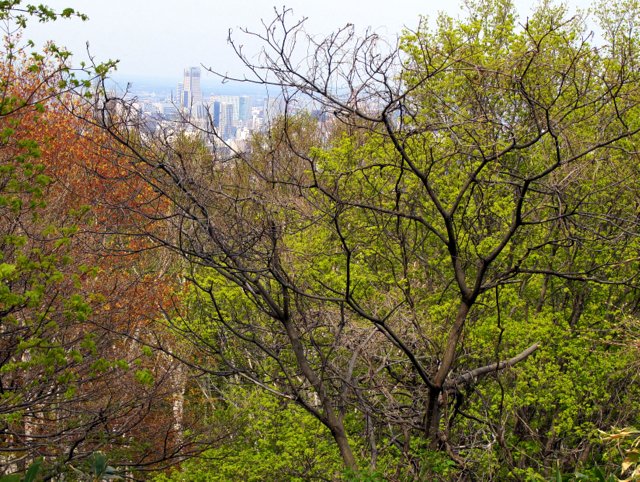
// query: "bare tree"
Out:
[344,258]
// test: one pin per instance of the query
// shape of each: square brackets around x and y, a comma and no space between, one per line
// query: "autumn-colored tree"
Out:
[73,379]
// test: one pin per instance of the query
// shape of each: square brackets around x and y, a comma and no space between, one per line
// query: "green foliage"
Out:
[389,275]
[96,469]
[271,441]
[502,180]
[31,475]
[144,377]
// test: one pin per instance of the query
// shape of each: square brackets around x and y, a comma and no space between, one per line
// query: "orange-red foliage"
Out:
[109,390]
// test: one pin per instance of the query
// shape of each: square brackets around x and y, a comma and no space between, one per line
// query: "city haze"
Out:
[156,40]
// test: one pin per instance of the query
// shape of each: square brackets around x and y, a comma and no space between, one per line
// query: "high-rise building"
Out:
[227,128]
[244,108]
[191,94]
[215,113]
[178,98]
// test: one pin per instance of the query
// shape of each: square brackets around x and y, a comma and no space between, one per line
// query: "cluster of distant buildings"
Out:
[232,117]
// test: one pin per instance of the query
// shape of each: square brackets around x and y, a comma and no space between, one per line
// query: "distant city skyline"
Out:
[158,39]
[228,120]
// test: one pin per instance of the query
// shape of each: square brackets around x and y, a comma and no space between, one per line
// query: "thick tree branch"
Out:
[472,375]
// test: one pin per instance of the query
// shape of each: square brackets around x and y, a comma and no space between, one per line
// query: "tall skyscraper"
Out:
[227,128]
[244,108]
[215,113]
[178,98]
[191,94]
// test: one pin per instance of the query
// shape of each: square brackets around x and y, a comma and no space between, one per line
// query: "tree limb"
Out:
[469,376]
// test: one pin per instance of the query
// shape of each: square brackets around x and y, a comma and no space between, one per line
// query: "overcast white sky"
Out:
[158,38]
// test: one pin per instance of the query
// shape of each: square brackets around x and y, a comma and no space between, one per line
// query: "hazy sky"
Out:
[158,38]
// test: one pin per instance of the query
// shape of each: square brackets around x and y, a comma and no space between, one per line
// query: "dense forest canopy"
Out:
[425,268]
